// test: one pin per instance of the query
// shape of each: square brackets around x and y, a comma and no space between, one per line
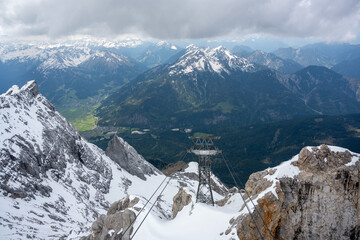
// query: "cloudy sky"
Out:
[328,20]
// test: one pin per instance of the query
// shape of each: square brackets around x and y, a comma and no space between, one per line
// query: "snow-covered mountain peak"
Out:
[217,60]
[30,86]
[52,180]
[192,46]
[166,44]
[58,56]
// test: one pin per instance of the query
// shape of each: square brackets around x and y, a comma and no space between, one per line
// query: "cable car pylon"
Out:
[204,148]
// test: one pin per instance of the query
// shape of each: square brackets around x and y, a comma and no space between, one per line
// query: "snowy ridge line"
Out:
[59,57]
[217,60]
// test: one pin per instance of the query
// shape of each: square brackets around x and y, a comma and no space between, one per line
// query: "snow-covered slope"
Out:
[218,60]
[52,180]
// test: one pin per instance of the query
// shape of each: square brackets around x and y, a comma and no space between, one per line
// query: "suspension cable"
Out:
[256,209]
[127,229]
[243,187]
[150,209]
[247,207]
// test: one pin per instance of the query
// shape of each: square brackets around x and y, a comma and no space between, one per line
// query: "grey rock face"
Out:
[41,140]
[113,225]
[321,202]
[46,166]
[127,157]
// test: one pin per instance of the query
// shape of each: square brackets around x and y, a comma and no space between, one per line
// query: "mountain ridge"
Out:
[206,86]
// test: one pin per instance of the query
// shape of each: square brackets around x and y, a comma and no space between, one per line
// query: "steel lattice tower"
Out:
[204,148]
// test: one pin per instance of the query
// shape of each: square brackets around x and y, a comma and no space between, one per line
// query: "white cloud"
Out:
[325,19]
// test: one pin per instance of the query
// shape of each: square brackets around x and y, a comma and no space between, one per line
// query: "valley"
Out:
[249,149]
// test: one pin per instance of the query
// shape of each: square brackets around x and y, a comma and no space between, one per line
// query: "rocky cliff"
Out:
[313,196]
[128,159]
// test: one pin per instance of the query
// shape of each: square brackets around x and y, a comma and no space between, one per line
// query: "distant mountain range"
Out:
[320,54]
[213,86]
[62,71]
[350,68]
[163,85]
[271,61]
[78,70]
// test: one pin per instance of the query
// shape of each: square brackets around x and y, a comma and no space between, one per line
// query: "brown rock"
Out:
[257,183]
[174,167]
[322,202]
[180,200]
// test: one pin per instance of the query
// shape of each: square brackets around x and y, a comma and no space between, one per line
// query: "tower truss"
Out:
[204,148]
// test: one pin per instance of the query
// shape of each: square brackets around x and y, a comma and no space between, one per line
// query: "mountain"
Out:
[54,183]
[214,87]
[242,50]
[214,60]
[349,68]
[320,54]
[273,62]
[52,180]
[64,71]
[323,90]
[158,54]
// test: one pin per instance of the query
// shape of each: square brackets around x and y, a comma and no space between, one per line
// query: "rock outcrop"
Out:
[174,167]
[127,157]
[115,225]
[180,200]
[320,201]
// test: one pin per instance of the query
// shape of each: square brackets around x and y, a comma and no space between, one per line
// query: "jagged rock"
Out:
[225,200]
[180,200]
[321,159]
[127,157]
[113,225]
[257,183]
[320,202]
[122,205]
